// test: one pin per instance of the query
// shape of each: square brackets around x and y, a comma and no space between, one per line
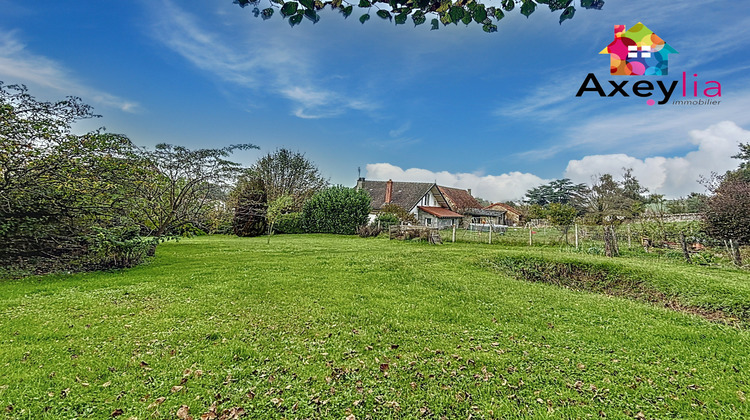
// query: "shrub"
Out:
[291,223]
[385,220]
[117,247]
[337,210]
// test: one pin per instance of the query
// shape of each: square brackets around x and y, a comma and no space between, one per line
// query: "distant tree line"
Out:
[609,202]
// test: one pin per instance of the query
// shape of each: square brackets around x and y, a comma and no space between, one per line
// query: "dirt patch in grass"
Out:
[608,279]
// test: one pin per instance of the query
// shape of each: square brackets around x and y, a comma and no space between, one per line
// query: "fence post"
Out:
[454,232]
[530,240]
[490,233]
[576,236]
[629,246]
[684,248]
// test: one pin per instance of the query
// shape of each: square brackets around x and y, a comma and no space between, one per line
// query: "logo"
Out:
[637,52]
[640,52]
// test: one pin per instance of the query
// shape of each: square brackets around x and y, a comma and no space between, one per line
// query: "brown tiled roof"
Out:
[405,194]
[484,212]
[502,206]
[459,200]
[440,212]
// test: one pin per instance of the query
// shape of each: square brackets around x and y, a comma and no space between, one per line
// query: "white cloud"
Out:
[509,186]
[18,65]
[254,59]
[671,176]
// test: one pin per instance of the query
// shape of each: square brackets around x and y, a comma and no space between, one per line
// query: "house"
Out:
[513,216]
[638,51]
[462,202]
[431,204]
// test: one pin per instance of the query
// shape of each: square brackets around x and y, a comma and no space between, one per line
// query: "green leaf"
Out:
[480,14]
[592,4]
[364,18]
[277,1]
[347,11]
[555,5]
[472,5]
[364,3]
[295,20]
[309,4]
[435,24]
[289,8]
[401,18]
[418,18]
[489,28]
[466,19]
[508,5]
[335,4]
[266,13]
[528,7]
[384,14]
[567,14]
[445,19]
[456,13]
[312,15]
[499,14]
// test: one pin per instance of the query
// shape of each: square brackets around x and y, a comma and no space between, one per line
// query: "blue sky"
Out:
[493,112]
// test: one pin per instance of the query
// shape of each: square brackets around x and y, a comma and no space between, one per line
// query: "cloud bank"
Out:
[672,176]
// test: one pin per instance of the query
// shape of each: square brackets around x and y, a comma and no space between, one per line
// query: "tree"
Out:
[562,191]
[275,210]
[250,204]
[728,208]
[609,203]
[693,203]
[337,209]
[284,172]
[398,211]
[184,185]
[64,198]
[744,156]
[562,216]
[444,12]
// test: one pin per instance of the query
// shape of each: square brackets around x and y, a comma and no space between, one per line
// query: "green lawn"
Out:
[319,326]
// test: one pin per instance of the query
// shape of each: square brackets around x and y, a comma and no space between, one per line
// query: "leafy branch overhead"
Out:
[399,11]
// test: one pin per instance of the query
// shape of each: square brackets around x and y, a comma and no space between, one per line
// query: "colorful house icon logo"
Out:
[638,51]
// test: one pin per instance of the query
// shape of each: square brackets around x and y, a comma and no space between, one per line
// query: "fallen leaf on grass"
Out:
[177,388]
[233,413]
[183,413]
[156,402]
[116,413]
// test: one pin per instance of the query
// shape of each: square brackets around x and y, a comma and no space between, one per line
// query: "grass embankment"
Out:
[316,326]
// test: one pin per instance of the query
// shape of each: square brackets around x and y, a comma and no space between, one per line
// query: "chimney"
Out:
[388,191]
[469,191]
[360,183]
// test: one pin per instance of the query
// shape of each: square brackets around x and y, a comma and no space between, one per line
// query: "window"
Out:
[428,221]
[644,49]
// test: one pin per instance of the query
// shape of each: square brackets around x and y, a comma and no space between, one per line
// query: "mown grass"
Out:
[316,326]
